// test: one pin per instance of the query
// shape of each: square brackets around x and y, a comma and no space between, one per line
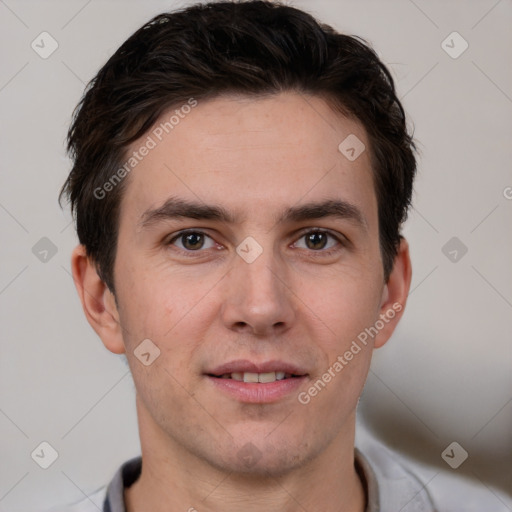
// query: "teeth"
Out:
[267,377]
[256,377]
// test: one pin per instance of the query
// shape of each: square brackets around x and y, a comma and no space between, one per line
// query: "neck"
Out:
[174,479]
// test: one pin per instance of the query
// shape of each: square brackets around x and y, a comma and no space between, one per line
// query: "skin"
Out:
[254,156]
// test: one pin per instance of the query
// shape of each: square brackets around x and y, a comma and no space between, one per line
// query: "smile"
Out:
[256,377]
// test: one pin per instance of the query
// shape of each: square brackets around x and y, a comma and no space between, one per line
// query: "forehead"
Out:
[253,155]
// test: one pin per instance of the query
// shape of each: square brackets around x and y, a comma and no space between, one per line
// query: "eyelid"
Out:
[313,229]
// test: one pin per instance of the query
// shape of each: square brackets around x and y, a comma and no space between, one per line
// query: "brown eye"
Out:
[192,241]
[319,241]
[316,240]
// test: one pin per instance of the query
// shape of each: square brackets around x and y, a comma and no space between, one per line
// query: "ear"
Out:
[394,294]
[98,302]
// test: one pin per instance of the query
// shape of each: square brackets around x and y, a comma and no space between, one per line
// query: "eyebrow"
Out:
[175,208]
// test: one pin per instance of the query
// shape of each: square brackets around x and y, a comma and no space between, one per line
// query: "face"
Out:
[248,250]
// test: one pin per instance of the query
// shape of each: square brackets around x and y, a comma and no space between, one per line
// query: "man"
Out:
[241,174]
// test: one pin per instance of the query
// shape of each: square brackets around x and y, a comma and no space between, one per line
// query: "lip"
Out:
[244,365]
[257,393]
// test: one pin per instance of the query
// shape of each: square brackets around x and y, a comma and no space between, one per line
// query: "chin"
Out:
[261,458]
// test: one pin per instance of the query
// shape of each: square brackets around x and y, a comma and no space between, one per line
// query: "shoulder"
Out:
[413,487]
[391,485]
[109,497]
[451,491]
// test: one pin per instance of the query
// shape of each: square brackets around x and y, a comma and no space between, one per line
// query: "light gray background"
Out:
[445,376]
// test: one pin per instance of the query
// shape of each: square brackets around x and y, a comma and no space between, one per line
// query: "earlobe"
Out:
[98,302]
[394,294]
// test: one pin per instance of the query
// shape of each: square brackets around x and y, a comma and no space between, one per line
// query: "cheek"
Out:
[173,314]
[344,303]
[347,353]
[157,300]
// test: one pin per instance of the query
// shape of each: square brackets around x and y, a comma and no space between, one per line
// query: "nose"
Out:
[258,297]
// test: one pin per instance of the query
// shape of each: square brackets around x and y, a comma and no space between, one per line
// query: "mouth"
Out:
[249,382]
[262,378]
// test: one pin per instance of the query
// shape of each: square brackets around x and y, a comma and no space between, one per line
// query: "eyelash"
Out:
[317,253]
